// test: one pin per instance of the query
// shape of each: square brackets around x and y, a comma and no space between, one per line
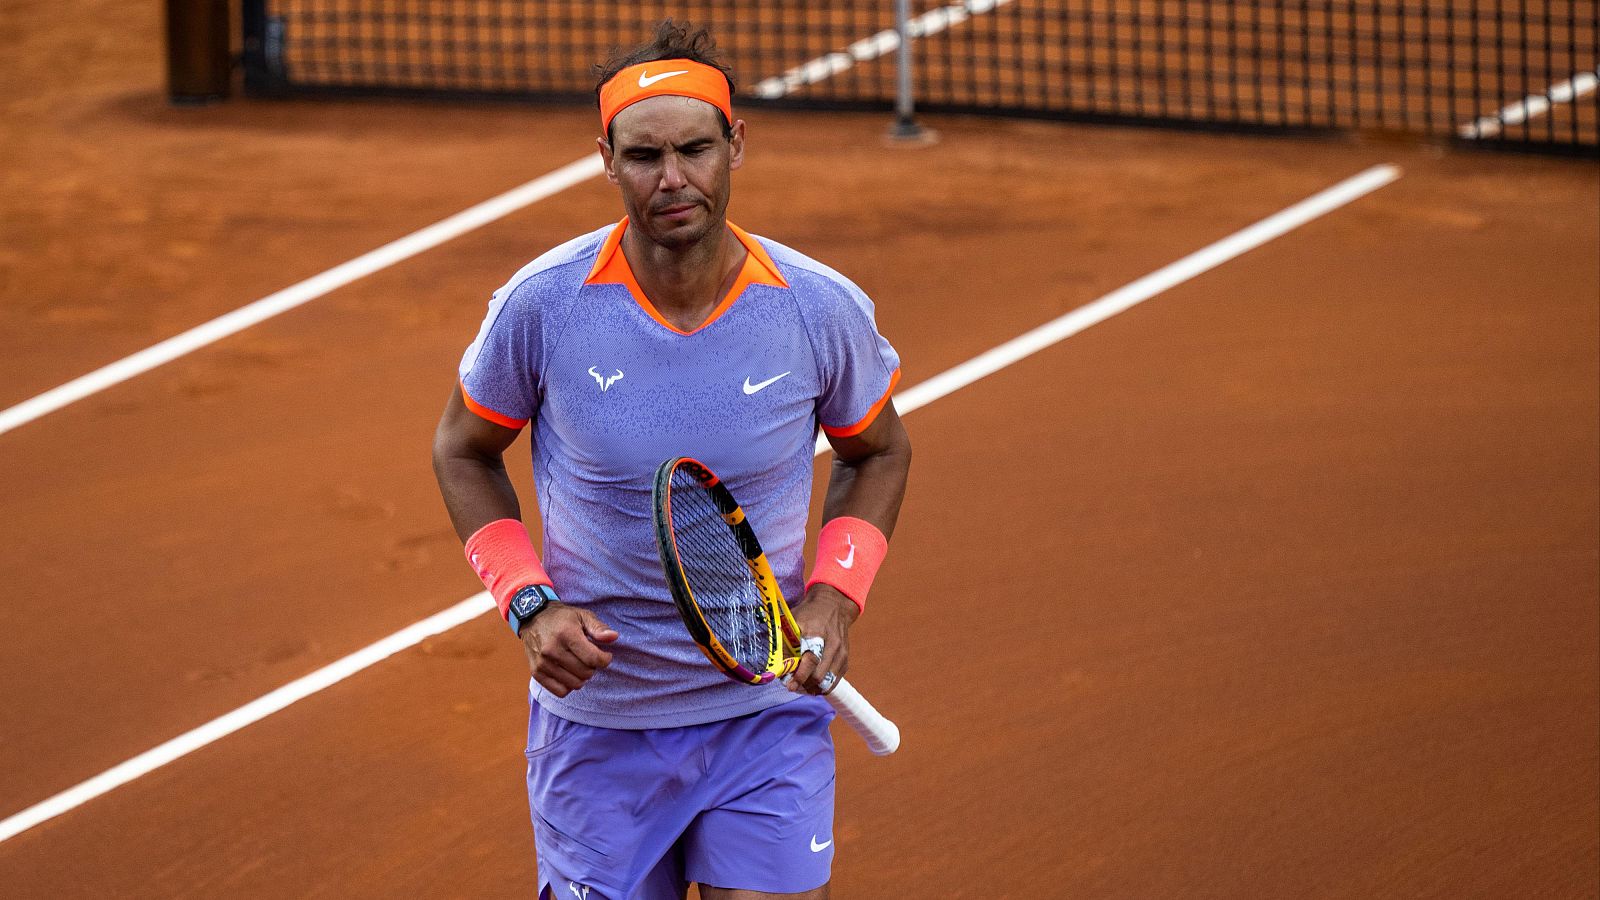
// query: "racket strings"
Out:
[715,568]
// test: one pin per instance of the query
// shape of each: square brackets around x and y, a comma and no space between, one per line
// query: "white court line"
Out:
[870,48]
[290,297]
[940,385]
[250,713]
[1130,295]
[1532,105]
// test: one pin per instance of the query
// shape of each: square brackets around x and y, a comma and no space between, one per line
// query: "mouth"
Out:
[677,211]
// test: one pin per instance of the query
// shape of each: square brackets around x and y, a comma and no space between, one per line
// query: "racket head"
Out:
[720,580]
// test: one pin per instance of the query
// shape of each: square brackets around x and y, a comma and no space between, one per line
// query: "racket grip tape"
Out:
[882,736]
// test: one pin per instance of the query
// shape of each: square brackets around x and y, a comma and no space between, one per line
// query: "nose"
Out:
[672,172]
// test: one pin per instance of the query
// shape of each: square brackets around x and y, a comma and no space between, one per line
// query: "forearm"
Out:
[870,487]
[476,490]
[469,463]
[867,482]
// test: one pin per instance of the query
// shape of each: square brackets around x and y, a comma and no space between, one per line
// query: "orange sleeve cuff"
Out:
[485,412]
[872,414]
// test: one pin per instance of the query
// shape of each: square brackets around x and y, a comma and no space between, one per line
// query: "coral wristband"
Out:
[504,558]
[849,552]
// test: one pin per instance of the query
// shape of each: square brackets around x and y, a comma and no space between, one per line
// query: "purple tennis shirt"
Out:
[572,345]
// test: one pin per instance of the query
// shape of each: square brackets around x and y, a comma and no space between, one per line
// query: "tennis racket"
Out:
[728,597]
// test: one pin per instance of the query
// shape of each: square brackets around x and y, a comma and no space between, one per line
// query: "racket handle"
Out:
[882,736]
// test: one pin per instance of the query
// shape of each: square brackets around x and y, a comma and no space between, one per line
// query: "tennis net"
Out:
[1502,73]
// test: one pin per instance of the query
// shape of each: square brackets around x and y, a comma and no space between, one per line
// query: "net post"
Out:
[905,129]
[199,63]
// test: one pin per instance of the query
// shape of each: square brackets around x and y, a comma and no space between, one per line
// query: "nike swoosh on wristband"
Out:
[646,79]
[849,558]
[752,388]
[818,848]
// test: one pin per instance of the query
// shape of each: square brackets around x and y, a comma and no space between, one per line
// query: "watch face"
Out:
[529,600]
[524,605]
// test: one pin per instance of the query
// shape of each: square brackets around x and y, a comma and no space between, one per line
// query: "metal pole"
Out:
[199,66]
[905,127]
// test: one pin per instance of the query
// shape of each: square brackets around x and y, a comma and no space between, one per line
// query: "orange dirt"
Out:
[1283,583]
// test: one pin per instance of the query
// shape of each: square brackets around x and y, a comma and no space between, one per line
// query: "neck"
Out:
[685,284]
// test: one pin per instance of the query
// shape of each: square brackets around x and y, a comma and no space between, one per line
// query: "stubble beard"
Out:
[682,238]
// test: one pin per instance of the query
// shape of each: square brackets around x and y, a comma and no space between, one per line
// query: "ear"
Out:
[607,158]
[736,156]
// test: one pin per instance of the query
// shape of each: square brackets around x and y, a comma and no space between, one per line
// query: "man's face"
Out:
[669,157]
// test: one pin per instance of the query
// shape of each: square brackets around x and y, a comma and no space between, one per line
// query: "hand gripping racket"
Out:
[728,597]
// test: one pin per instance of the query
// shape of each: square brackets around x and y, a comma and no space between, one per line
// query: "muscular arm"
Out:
[563,643]
[868,481]
[469,462]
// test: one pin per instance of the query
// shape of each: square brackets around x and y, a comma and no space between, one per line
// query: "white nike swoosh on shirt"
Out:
[818,848]
[646,79]
[849,558]
[752,388]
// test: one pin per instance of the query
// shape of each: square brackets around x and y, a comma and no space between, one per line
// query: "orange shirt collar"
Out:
[611,267]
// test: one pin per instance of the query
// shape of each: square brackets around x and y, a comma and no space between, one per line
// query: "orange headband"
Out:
[663,77]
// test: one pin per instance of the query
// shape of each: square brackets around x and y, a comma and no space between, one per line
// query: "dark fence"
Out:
[1481,72]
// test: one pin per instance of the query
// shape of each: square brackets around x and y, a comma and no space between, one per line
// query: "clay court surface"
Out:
[1281,584]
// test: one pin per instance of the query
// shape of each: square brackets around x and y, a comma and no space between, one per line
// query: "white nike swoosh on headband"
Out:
[646,79]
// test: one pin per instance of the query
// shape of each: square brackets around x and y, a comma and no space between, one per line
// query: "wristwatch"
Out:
[527,603]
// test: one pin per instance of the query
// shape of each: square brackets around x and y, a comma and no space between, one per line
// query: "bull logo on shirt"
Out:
[605,381]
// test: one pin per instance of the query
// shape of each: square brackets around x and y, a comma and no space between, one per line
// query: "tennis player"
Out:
[673,332]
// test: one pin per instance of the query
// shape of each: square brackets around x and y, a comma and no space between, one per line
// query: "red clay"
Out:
[1283,583]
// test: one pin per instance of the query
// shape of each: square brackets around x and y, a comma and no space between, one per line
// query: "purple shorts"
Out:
[742,803]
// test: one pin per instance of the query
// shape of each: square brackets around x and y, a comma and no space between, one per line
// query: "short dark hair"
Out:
[671,41]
